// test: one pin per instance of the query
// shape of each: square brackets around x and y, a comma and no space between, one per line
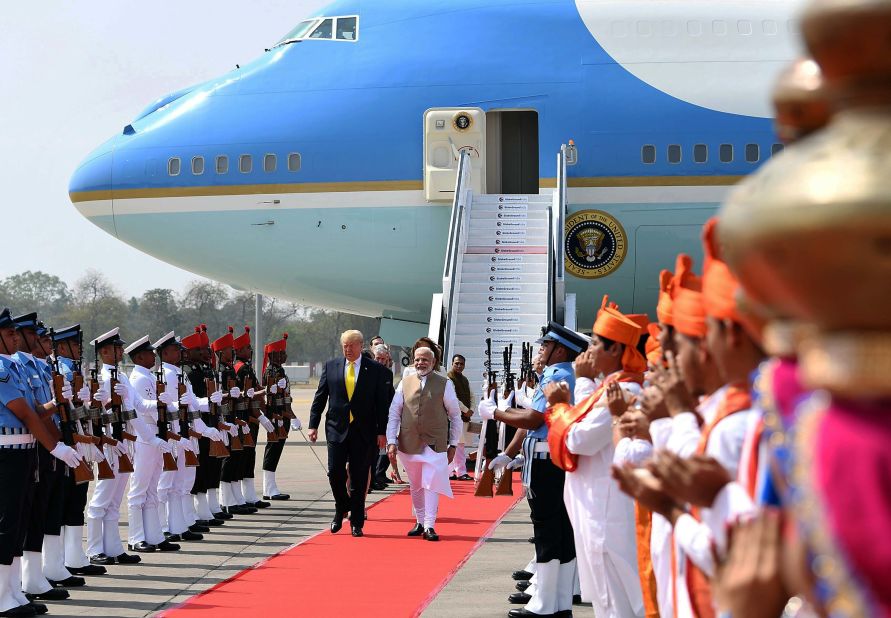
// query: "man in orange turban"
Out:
[581,442]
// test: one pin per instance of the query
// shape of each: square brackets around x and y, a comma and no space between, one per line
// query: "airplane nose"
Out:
[90,189]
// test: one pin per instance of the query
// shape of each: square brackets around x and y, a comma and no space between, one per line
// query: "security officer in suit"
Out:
[21,428]
[356,391]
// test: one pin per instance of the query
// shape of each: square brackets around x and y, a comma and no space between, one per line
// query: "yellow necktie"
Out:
[351,384]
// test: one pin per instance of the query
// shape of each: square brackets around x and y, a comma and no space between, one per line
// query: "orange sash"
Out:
[643,519]
[561,417]
[736,399]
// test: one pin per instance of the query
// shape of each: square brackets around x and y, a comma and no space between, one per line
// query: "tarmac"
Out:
[162,580]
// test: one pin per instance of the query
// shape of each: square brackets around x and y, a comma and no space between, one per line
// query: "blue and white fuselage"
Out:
[666,100]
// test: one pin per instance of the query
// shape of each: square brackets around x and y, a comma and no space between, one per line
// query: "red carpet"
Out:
[383,574]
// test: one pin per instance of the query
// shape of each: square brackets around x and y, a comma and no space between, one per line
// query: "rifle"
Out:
[223,409]
[163,423]
[217,448]
[98,420]
[271,407]
[70,430]
[183,414]
[118,420]
[505,483]
[239,411]
[485,478]
[281,401]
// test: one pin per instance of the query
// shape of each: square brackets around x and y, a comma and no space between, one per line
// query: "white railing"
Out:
[451,276]
[556,266]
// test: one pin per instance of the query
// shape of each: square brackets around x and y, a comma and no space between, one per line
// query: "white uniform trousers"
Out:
[104,512]
[428,476]
[183,482]
[458,467]
[171,510]
[143,522]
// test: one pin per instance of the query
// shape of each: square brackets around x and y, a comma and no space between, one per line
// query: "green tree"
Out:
[96,305]
[36,291]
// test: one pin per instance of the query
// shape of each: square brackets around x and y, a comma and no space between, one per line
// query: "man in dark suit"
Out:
[356,391]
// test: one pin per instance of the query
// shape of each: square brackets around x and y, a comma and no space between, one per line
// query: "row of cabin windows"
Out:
[717,27]
[674,153]
[245,164]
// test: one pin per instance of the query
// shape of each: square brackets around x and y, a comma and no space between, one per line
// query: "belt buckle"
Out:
[128,415]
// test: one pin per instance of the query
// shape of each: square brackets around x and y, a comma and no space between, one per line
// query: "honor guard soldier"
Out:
[207,478]
[142,500]
[122,416]
[68,346]
[554,543]
[20,427]
[246,380]
[279,396]
[46,511]
[183,520]
[230,476]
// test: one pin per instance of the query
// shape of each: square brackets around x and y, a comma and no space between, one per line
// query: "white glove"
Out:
[273,389]
[216,397]
[66,390]
[523,400]
[504,404]
[162,445]
[487,407]
[67,454]
[186,444]
[266,423]
[102,397]
[84,393]
[211,434]
[235,392]
[500,462]
[250,393]
[96,454]
[282,383]
[518,462]
[121,448]
[295,424]
[169,398]
[233,430]
[120,389]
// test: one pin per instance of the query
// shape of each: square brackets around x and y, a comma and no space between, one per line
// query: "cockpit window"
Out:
[299,32]
[323,30]
[342,28]
[346,28]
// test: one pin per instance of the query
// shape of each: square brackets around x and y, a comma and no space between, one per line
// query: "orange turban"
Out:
[688,308]
[605,302]
[721,290]
[614,325]
[194,340]
[641,319]
[653,347]
[663,306]
[243,340]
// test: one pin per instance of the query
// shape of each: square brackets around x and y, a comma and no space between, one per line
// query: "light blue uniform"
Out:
[12,386]
[558,372]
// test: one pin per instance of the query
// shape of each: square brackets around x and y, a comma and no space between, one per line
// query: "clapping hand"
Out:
[641,485]
[671,382]
[696,480]
[586,365]
[615,399]
[557,392]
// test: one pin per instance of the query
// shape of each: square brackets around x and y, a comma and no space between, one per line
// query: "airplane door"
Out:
[448,132]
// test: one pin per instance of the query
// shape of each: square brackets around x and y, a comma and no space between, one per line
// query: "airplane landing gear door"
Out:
[448,132]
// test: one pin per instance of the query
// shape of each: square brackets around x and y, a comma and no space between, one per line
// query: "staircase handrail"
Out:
[556,265]
[451,276]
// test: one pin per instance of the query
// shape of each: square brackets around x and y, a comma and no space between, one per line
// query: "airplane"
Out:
[308,173]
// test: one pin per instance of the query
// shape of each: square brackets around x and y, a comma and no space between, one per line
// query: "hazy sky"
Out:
[73,74]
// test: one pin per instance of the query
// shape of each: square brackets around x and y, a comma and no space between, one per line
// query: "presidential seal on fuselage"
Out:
[595,244]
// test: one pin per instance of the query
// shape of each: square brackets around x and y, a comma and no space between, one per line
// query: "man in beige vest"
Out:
[424,428]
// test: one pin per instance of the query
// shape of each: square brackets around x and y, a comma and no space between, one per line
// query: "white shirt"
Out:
[449,400]
[145,432]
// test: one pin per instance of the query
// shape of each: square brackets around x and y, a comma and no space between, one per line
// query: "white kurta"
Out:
[602,516]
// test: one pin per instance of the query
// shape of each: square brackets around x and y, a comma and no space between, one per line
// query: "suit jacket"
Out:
[370,404]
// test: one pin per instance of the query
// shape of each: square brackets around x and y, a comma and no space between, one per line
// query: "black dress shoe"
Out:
[173,538]
[69,582]
[222,515]
[199,528]
[454,477]
[430,535]
[39,608]
[90,569]
[523,584]
[378,486]
[213,523]
[53,594]
[167,546]
[188,535]
[521,575]
[336,523]
[465,477]
[522,612]
[127,559]
[357,531]
[576,599]
[260,504]
[418,530]
[234,510]
[28,609]
[142,546]
[531,539]
[101,559]
[519,598]
[383,480]
[278,497]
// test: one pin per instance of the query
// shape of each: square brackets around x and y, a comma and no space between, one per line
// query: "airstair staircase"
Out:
[503,277]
